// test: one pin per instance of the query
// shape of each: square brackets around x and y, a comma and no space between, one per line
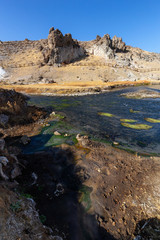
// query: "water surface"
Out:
[82,114]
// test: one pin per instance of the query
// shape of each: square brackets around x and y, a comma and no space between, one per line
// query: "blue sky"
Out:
[137,22]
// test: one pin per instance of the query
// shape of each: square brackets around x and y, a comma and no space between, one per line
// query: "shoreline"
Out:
[74,88]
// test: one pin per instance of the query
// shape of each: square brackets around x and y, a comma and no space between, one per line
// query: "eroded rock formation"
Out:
[61,49]
[106,47]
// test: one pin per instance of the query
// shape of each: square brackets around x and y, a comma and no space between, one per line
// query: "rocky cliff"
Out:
[105,46]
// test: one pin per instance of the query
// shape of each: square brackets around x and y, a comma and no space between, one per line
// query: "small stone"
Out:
[56,133]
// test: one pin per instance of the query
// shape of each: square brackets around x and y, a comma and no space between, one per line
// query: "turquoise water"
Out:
[82,114]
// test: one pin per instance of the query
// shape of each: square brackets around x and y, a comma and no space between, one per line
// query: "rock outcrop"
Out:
[61,49]
[106,47]
[14,109]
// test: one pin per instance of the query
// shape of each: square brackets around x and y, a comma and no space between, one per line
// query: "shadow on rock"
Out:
[148,229]
[51,178]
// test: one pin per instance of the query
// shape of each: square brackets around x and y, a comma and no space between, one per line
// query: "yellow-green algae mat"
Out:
[133,111]
[136,126]
[152,120]
[128,120]
[106,114]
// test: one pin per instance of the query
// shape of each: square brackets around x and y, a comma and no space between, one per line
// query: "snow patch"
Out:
[2,73]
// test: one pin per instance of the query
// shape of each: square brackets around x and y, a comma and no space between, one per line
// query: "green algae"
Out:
[137,126]
[152,120]
[61,126]
[106,141]
[61,106]
[128,120]
[68,133]
[56,140]
[64,104]
[133,111]
[59,116]
[106,114]
[84,197]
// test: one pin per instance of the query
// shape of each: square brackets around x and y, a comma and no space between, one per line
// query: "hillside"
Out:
[60,62]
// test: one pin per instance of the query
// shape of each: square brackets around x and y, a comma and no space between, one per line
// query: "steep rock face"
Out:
[106,47]
[61,49]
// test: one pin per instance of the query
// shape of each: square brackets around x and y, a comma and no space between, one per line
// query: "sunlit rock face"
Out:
[107,47]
